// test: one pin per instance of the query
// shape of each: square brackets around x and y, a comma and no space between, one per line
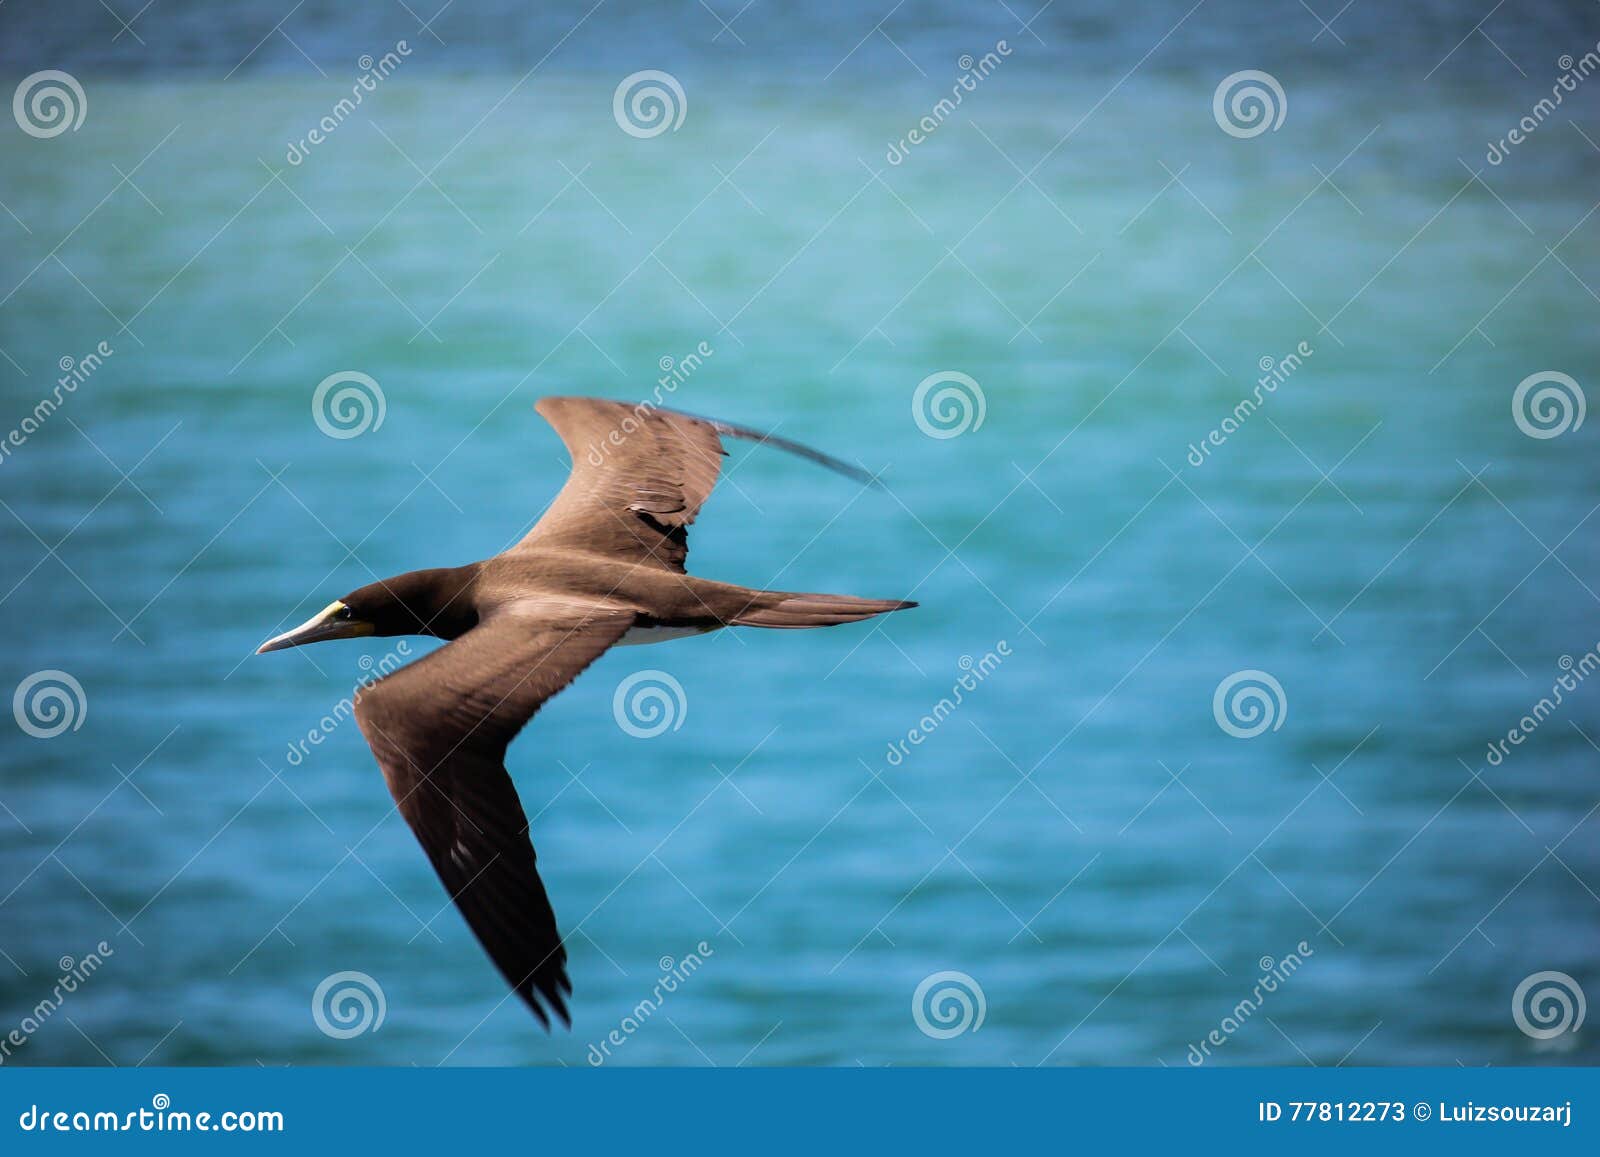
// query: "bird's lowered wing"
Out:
[639,477]
[439,729]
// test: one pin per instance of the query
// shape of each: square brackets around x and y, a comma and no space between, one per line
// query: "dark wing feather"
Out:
[439,729]
[639,477]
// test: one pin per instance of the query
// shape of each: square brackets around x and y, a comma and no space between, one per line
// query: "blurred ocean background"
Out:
[1107,863]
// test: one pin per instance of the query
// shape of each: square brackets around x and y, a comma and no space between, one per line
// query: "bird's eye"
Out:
[346,613]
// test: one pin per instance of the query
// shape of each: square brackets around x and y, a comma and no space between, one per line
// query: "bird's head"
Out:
[421,602]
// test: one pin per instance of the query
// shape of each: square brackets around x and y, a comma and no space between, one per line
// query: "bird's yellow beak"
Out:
[332,622]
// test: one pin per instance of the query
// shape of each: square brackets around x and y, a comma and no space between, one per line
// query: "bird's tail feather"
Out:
[784,610]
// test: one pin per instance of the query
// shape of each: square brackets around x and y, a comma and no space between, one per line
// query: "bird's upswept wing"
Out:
[640,474]
[439,728]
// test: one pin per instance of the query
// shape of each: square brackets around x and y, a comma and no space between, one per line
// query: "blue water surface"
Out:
[1118,868]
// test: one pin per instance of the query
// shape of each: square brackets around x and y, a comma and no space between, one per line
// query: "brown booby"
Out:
[604,566]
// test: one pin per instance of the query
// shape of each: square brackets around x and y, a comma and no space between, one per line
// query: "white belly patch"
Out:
[638,635]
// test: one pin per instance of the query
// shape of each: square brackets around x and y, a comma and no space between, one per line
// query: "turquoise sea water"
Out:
[1080,836]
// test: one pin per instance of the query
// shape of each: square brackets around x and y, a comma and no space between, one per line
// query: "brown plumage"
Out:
[606,559]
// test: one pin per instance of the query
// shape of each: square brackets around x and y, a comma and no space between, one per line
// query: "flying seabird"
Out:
[603,567]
